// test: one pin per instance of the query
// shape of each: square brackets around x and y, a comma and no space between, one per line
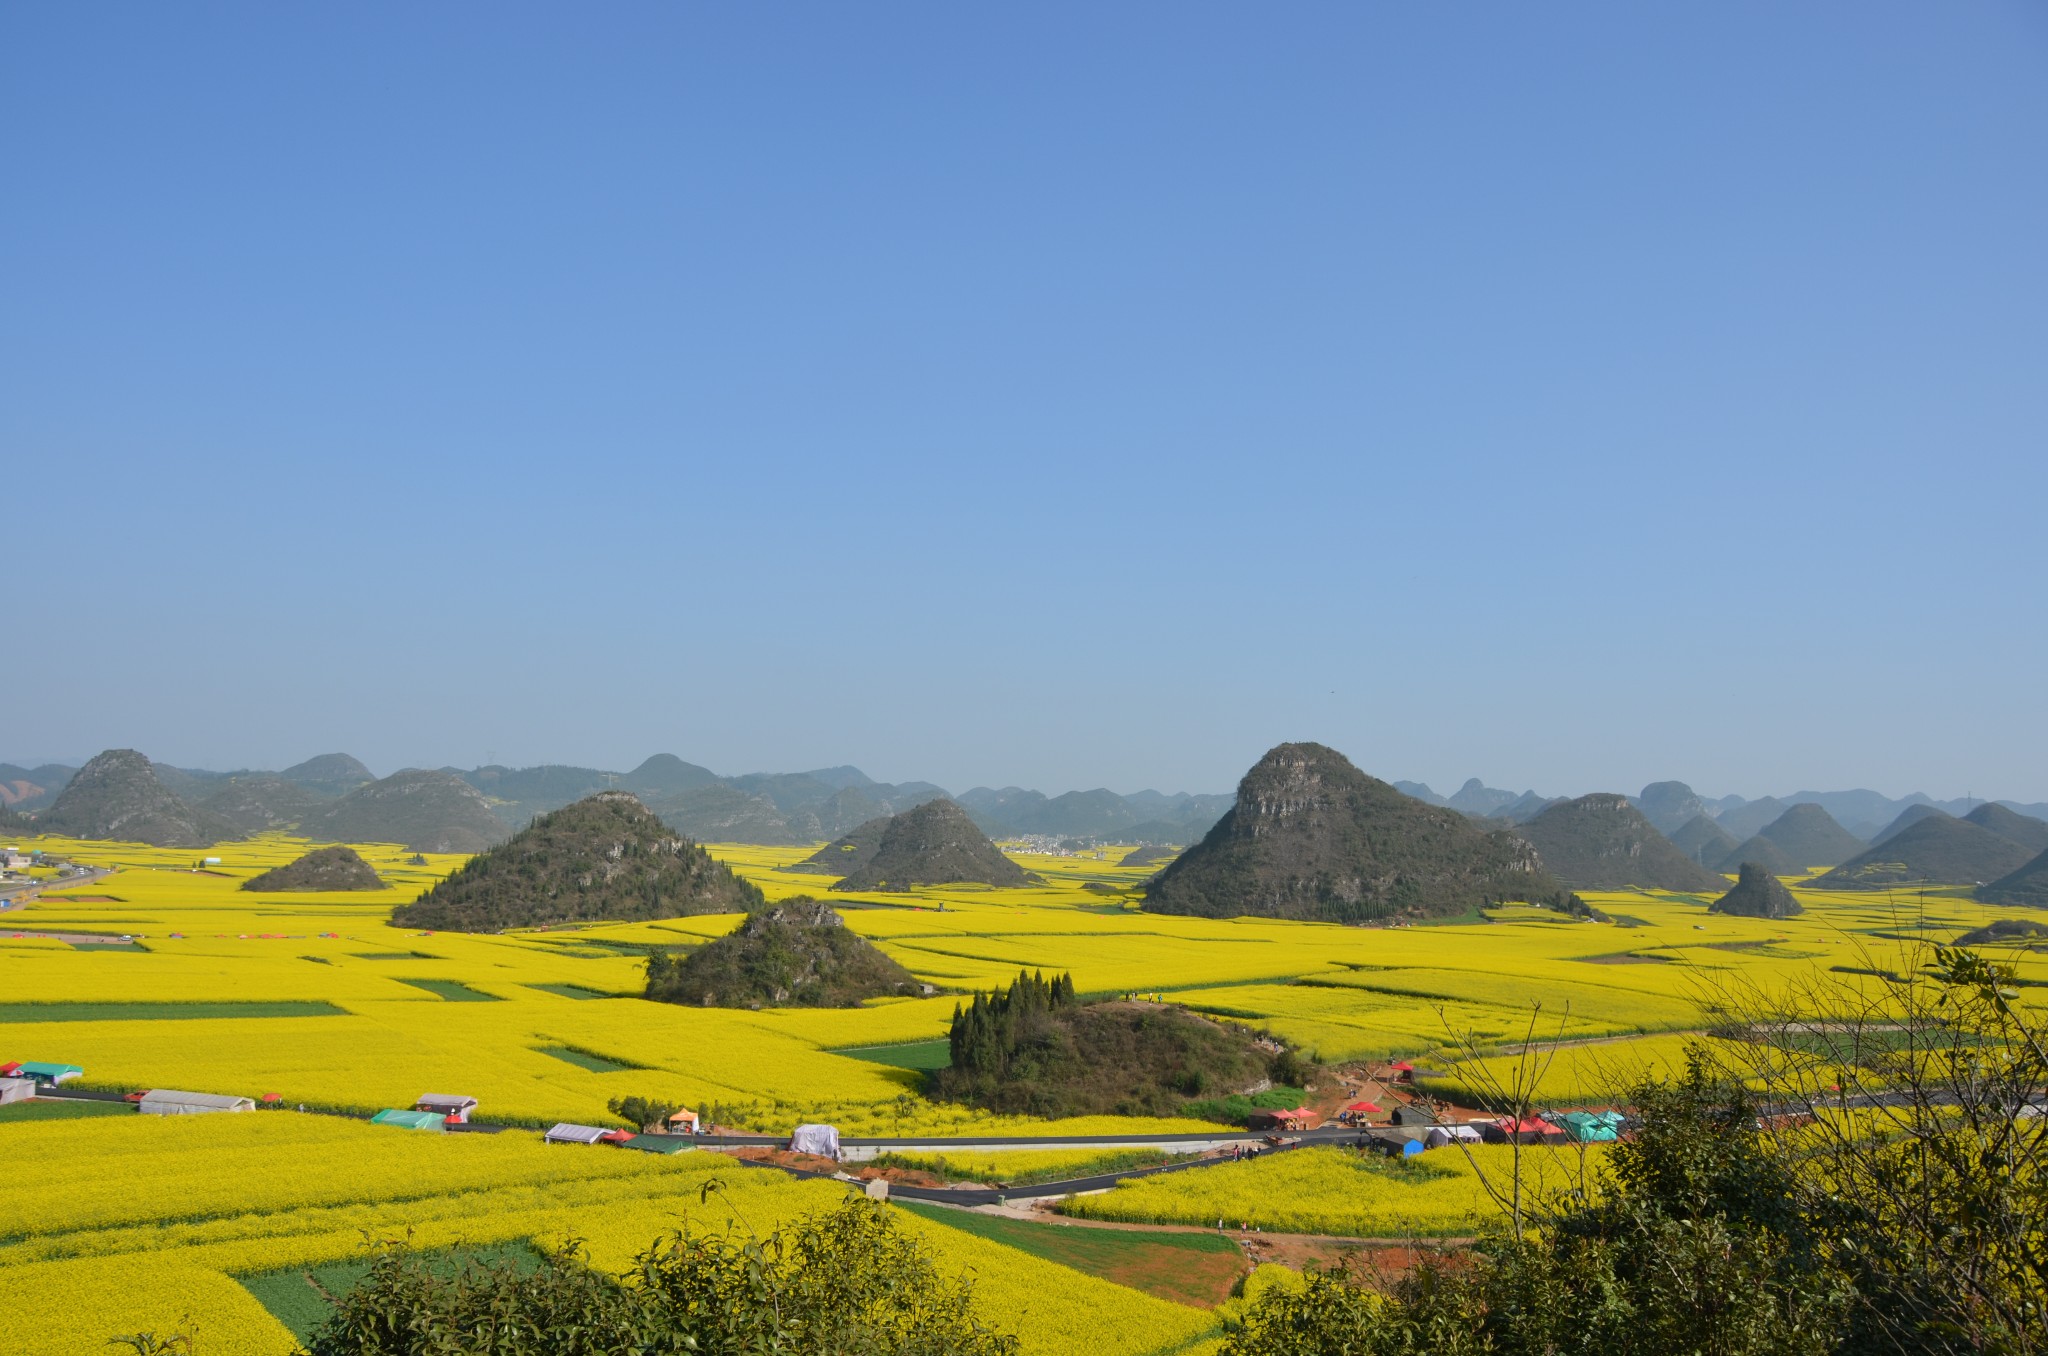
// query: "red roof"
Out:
[1531,1126]
[1402,1066]
[9,1068]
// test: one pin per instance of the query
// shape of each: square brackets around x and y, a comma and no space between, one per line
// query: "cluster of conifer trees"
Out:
[988,1032]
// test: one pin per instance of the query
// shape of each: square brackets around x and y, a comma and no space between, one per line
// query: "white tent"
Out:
[162,1102]
[16,1090]
[566,1133]
[1440,1135]
[822,1140]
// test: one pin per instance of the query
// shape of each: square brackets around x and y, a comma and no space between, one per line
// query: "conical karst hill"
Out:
[328,868]
[1939,850]
[117,797]
[846,855]
[1764,853]
[427,811]
[1701,839]
[1908,817]
[934,844]
[796,954]
[2028,885]
[605,858]
[1810,837]
[1757,894]
[2029,832]
[1602,842]
[328,774]
[1312,837]
[262,804]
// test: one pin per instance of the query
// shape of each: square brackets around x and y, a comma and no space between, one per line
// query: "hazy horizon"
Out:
[1060,397]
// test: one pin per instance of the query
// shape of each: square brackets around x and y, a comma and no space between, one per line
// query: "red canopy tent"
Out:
[1363,1106]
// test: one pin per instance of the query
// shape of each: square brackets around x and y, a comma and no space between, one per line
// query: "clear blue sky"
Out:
[1065,395]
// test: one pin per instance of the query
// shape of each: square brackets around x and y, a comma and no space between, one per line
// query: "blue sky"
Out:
[1062,395]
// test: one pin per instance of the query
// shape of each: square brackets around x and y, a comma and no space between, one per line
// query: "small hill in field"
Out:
[329,774]
[2028,832]
[1701,839]
[262,804]
[117,796]
[1764,853]
[426,811]
[1602,842]
[1312,837]
[1670,806]
[1035,1049]
[328,868]
[844,856]
[1757,894]
[604,859]
[797,954]
[1938,851]
[2005,930]
[2028,885]
[1149,855]
[1908,817]
[1809,836]
[934,844]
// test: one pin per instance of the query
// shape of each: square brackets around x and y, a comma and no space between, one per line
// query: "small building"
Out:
[1440,1136]
[16,1090]
[822,1140]
[48,1075]
[450,1107]
[684,1122]
[1299,1118]
[565,1133]
[409,1120]
[163,1102]
[1508,1130]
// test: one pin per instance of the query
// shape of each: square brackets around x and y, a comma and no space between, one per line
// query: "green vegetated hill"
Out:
[1751,817]
[2028,885]
[796,954]
[1602,842]
[1149,855]
[24,789]
[2012,931]
[427,811]
[1034,1049]
[604,859]
[117,796]
[1810,837]
[934,844]
[328,868]
[1757,894]
[725,814]
[1670,806]
[262,804]
[2028,832]
[1908,817]
[329,774]
[1701,839]
[1312,837]
[844,856]
[1939,850]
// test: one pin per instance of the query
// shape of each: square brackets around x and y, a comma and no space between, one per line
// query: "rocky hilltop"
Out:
[1312,837]
[426,811]
[1602,842]
[117,796]
[328,868]
[797,954]
[1757,894]
[1939,850]
[604,859]
[934,844]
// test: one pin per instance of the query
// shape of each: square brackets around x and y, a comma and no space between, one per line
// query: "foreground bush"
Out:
[845,1282]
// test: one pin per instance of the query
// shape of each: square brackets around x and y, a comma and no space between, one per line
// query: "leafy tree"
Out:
[648,1113]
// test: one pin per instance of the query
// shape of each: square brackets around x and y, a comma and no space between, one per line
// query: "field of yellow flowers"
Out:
[317,999]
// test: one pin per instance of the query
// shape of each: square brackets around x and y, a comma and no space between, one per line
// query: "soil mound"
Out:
[426,811]
[328,868]
[797,954]
[1937,850]
[1757,894]
[117,796]
[1312,837]
[604,859]
[1602,842]
[934,844]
